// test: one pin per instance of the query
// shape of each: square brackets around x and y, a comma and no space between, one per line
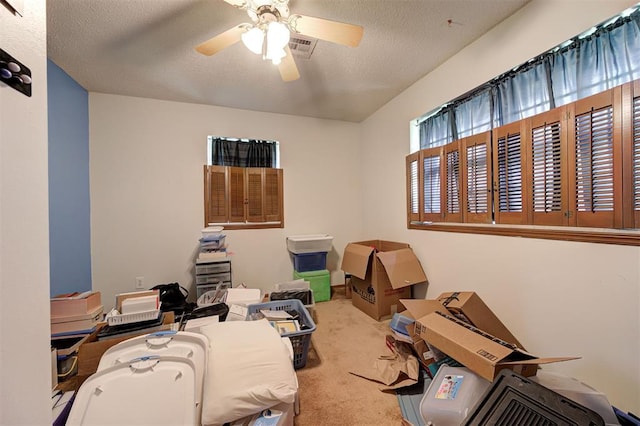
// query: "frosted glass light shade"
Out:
[253,39]
[277,38]
[276,56]
[277,35]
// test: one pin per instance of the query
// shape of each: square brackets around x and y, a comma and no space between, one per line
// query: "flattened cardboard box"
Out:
[477,350]
[382,274]
[466,306]
[469,307]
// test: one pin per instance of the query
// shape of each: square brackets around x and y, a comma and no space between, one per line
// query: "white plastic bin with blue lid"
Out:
[309,243]
[453,392]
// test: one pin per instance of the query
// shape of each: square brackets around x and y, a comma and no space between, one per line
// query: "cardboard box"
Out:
[73,304]
[476,349]
[470,308]
[382,274]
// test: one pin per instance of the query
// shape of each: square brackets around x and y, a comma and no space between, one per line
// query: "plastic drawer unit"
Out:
[213,274]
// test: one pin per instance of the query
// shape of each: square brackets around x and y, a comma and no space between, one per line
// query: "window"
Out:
[552,143]
[249,196]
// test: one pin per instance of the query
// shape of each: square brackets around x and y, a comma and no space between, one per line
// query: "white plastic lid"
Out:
[152,391]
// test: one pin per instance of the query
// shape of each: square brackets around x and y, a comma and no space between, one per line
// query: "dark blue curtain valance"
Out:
[243,153]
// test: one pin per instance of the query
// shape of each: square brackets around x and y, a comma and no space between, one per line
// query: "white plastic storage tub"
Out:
[312,243]
[453,392]
[579,392]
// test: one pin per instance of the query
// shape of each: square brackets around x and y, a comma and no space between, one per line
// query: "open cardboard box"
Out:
[476,349]
[382,274]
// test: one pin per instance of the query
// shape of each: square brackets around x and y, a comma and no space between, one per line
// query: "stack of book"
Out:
[75,313]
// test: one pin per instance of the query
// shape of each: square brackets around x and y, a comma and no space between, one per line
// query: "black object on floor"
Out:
[516,400]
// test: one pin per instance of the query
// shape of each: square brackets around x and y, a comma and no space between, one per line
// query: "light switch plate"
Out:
[14,74]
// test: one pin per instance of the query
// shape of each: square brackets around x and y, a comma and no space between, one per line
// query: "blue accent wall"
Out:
[69,208]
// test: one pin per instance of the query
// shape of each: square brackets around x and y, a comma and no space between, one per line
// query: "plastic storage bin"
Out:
[305,262]
[453,392]
[300,340]
[311,243]
[319,281]
[400,322]
[579,392]
[212,242]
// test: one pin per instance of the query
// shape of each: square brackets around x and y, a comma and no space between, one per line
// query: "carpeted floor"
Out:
[345,338]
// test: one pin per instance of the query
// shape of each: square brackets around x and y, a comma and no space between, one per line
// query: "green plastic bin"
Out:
[319,281]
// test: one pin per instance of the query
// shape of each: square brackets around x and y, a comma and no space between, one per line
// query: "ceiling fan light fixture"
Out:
[253,39]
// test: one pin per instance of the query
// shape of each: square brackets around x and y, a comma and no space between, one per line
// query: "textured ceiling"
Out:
[145,48]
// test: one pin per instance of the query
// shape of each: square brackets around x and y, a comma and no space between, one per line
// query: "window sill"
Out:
[249,225]
[587,235]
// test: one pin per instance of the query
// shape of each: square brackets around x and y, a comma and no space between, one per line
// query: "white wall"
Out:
[147,190]
[25,361]
[559,298]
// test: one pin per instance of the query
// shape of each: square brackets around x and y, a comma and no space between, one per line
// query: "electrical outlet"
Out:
[139,283]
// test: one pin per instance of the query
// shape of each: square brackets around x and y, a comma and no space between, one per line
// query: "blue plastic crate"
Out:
[305,262]
[300,340]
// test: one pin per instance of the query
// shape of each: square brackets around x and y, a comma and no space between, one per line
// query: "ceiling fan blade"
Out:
[288,69]
[237,3]
[323,29]
[221,41]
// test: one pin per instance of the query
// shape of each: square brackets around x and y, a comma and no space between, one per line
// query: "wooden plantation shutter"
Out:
[255,200]
[510,189]
[596,179]
[413,188]
[273,197]
[632,164]
[630,105]
[548,169]
[264,194]
[574,166]
[215,194]
[453,212]
[237,194]
[431,193]
[476,173]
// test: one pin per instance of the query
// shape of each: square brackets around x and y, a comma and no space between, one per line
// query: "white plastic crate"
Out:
[115,318]
[311,243]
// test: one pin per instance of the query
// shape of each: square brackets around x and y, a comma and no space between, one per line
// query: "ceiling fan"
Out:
[268,34]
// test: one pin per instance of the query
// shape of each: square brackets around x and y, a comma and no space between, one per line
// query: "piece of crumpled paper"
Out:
[395,371]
